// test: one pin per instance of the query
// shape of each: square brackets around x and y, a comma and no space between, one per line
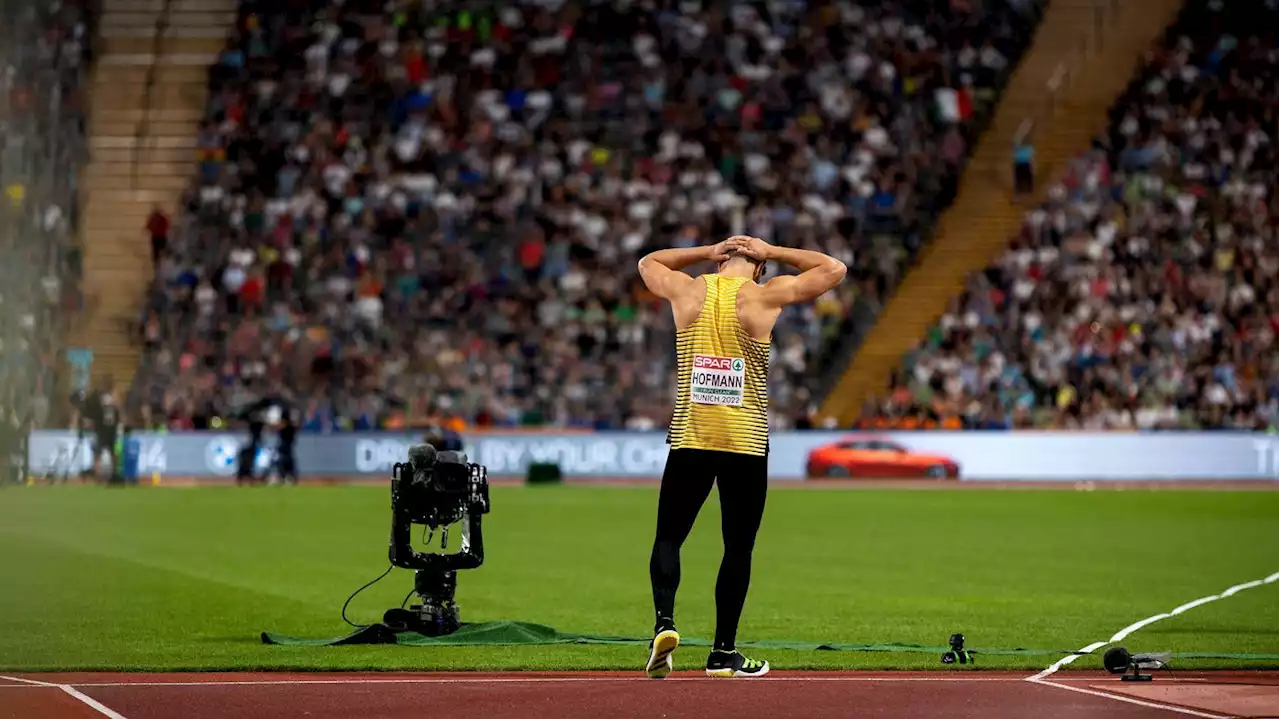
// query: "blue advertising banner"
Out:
[1020,456]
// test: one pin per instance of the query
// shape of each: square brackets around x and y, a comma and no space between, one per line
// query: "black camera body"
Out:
[436,489]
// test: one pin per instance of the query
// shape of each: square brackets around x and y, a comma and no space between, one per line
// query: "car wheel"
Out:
[835,471]
[937,471]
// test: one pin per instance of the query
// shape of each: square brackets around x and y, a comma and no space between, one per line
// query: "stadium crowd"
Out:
[1142,294]
[405,215]
[44,51]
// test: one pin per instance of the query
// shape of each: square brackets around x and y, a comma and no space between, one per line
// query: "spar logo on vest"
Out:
[717,380]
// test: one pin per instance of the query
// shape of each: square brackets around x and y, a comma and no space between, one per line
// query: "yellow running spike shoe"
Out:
[660,651]
[733,664]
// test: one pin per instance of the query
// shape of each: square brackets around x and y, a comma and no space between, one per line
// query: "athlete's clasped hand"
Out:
[753,247]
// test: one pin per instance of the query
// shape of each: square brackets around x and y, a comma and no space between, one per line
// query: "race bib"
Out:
[717,380]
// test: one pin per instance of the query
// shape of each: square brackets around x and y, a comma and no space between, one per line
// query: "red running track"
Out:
[782,695]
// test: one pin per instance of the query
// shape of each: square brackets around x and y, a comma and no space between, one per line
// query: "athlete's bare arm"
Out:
[818,273]
[661,270]
[760,305]
[661,274]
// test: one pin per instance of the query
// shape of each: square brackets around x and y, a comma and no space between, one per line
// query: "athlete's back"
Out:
[722,380]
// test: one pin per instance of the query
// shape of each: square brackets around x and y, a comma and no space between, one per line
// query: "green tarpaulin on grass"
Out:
[518,633]
[526,633]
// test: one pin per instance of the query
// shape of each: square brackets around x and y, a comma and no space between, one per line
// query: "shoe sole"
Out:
[659,665]
[737,674]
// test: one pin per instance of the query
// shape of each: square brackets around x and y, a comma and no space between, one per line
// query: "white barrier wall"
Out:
[1035,456]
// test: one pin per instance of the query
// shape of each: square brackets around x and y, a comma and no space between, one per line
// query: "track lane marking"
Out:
[67,689]
[26,682]
[517,680]
[90,702]
[1129,700]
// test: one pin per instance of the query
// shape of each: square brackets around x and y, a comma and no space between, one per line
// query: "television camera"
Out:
[436,489]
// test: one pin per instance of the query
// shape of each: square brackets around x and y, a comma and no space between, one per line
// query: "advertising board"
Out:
[1029,456]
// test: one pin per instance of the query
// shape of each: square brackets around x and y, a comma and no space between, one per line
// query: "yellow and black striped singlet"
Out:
[722,385]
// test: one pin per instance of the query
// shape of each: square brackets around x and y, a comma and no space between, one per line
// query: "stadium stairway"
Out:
[1082,58]
[148,95]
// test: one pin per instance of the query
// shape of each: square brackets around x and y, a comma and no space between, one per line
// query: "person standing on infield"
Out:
[719,431]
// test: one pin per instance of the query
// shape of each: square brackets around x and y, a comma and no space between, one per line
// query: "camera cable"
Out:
[361,589]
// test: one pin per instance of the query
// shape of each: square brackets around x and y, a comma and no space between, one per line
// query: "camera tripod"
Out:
[437,614]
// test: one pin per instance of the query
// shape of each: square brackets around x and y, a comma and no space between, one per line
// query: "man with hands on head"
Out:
[719,431]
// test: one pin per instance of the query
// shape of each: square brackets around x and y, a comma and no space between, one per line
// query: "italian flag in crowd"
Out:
[954,105]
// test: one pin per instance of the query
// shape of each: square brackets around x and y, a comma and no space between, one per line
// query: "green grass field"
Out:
[168,579]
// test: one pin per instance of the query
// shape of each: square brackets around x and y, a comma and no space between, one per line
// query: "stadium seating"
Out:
[1142,293]
[400,216]
[44,49]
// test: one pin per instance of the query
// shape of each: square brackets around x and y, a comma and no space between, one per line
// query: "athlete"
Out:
[719,432]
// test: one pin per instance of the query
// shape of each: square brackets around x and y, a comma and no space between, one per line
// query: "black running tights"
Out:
[686,483]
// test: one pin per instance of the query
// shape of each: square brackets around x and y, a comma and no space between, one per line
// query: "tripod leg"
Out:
[438,614]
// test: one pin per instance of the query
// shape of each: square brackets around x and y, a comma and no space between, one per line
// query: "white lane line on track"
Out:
[492,680]
[71,691]
[1128,700]
[520,681]
[92,703]
[26,682]
[1120,635]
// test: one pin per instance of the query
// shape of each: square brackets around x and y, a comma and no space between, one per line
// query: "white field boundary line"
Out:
[1042,680]
[1120,635]
[69,690]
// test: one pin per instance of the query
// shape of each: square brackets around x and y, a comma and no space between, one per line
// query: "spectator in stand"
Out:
[43,54]
[1024,166]
[1142,294]
[436,216]
[158,225]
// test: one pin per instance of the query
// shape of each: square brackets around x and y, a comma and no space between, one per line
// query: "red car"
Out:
[877,457]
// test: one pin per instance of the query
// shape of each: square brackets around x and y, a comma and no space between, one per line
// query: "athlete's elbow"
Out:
[652,280]
[835,272]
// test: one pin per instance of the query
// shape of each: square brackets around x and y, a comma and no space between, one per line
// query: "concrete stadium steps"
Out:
[176,74]
[175,6]
[142,155]
[178,17]
[979,224]
[134,41]
[167,96]
[153,127]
